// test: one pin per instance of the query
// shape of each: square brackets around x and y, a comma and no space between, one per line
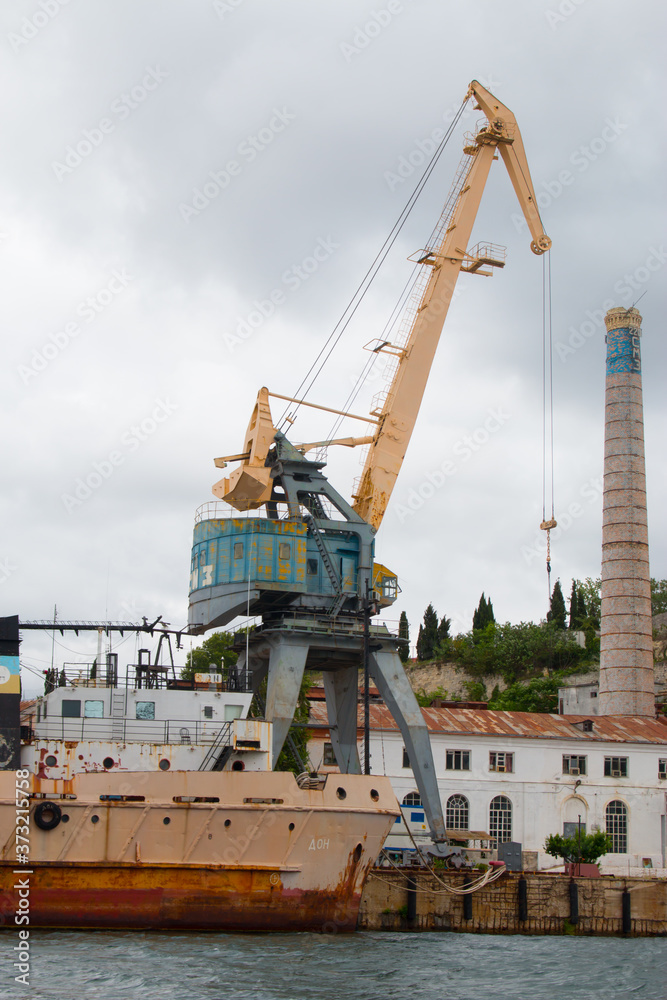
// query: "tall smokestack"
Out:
[626,643]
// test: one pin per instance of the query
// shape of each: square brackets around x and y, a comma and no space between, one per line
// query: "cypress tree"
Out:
[443,629]
[404,633]
[484,615]
[574,606]
[428,635]
[557,612]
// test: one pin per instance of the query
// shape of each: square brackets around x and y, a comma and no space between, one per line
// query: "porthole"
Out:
[341,793]
[375,795]
[51,761]
[290,827]
[228,822]
[94,819]
[65,818]
[164,764]
[238,765]
[356,854]
[108,762]
[166,821]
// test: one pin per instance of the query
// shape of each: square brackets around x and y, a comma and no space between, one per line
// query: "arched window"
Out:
[617,826]
[412,799]
[457,817]
[500,819]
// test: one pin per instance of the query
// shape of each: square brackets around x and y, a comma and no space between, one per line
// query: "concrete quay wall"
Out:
[495,909]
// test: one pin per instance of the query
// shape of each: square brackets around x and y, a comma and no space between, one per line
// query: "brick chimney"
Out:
[626,644]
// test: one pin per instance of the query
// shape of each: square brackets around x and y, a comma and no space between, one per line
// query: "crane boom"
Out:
[446,259]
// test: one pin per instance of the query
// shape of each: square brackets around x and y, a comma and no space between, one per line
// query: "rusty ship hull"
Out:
[229,851]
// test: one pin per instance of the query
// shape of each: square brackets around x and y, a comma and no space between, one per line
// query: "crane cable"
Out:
[332,340]
[547,411]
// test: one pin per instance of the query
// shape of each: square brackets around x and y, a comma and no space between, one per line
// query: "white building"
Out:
[522,776]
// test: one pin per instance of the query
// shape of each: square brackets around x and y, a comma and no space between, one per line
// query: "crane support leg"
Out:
[286,665]
[389,676]
[340,688]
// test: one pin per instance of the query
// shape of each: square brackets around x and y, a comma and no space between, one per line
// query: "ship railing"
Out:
[187,732]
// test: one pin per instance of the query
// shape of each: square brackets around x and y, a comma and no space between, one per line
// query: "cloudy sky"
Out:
[170,169]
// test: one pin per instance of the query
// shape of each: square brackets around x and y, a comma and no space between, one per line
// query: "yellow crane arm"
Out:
[446,259]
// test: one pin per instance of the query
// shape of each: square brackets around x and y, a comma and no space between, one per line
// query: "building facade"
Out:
[520,777]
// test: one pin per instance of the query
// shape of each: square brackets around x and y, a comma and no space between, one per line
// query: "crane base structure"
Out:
[283,649]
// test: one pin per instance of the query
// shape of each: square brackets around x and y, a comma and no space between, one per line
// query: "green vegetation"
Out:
[556,612]
[658,596]
[483,616]
[427,639]
[586,849]
[213,656]
[516,651]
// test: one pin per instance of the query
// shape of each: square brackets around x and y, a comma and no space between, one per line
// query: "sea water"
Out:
[138,965]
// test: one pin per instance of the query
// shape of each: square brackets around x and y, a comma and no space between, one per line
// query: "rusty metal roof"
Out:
[468,722]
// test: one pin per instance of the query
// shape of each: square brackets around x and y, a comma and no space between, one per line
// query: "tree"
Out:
[443,629]
[484,615]
[578,611]
[557,608]
[404,633]
[539,695]
[573,606]
[586,848]
[658,596]
[428,635]
[590,591]
[215,651]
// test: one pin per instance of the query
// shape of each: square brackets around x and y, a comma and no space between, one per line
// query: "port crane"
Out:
[304,559]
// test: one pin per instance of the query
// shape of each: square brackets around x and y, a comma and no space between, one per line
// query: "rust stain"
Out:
[467,721]
[131,896]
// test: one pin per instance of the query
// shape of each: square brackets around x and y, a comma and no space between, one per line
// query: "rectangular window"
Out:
[93,709]
[574,765]
[284,550]
[233,712]
[458,760]
[71,709]
[238,550]
[616,767]
[208,711]
[500,760]
[145,710]
[329,757]
[311,567]
[406,759]
[662,768]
